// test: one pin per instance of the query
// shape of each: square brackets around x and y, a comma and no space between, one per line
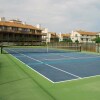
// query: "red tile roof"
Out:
[19,25]
[87,33]
[65,35]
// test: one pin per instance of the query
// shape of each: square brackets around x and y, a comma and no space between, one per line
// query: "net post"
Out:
[1,49]
[47,44]
[47,47]
[80,48]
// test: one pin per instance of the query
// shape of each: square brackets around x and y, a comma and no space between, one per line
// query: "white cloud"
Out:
[58,16]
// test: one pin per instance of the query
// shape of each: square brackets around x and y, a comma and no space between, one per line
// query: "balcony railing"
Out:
[21,31]
[86,37]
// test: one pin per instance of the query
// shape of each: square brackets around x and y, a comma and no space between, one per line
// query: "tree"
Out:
[76,41]
[97,40]
[67,40]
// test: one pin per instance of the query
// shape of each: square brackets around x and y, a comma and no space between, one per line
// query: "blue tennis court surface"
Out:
[58,67]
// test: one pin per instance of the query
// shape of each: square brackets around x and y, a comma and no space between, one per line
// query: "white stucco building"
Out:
[83,36]
[60,37]
[47,36]
[63,36]
[98,34]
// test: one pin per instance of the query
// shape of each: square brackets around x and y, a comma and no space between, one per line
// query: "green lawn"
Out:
[18,82]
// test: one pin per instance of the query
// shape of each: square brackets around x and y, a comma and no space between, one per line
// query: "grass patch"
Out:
[16,84]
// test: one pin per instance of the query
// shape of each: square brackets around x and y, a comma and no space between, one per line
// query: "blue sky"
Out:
[56,15]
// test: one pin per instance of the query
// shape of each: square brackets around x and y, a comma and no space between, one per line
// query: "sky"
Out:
[56,15]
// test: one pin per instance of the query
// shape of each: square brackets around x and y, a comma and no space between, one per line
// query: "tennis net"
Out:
[39,49]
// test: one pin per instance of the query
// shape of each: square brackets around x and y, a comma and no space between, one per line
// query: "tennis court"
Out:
[59,66]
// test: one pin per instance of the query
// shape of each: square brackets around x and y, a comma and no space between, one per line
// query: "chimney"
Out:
[2,19]
[38,26]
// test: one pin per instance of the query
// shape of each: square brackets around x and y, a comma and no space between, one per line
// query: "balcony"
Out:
[85,37]
[20,31]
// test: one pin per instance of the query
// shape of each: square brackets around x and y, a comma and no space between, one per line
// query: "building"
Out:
[45,38]
[98,34]
[53,37]
[49,36]
[65,36]
[18,33]
[83,36]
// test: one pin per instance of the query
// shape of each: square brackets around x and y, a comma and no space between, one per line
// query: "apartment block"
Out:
[17,32]
[83,36]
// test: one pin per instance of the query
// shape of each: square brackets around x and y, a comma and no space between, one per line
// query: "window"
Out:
[14,28]
[75,35]
[0,27]
[82,39]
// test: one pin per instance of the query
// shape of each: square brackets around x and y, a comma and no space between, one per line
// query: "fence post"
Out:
[1,49]
[98,47]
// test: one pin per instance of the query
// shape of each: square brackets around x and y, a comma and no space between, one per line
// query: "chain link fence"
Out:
[90,47]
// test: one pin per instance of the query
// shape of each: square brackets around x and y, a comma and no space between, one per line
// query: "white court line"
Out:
[74,58]
[58,81]
[78,79]
[49,65]
[65,56]
[31,68]
[56,59]
[63,71]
